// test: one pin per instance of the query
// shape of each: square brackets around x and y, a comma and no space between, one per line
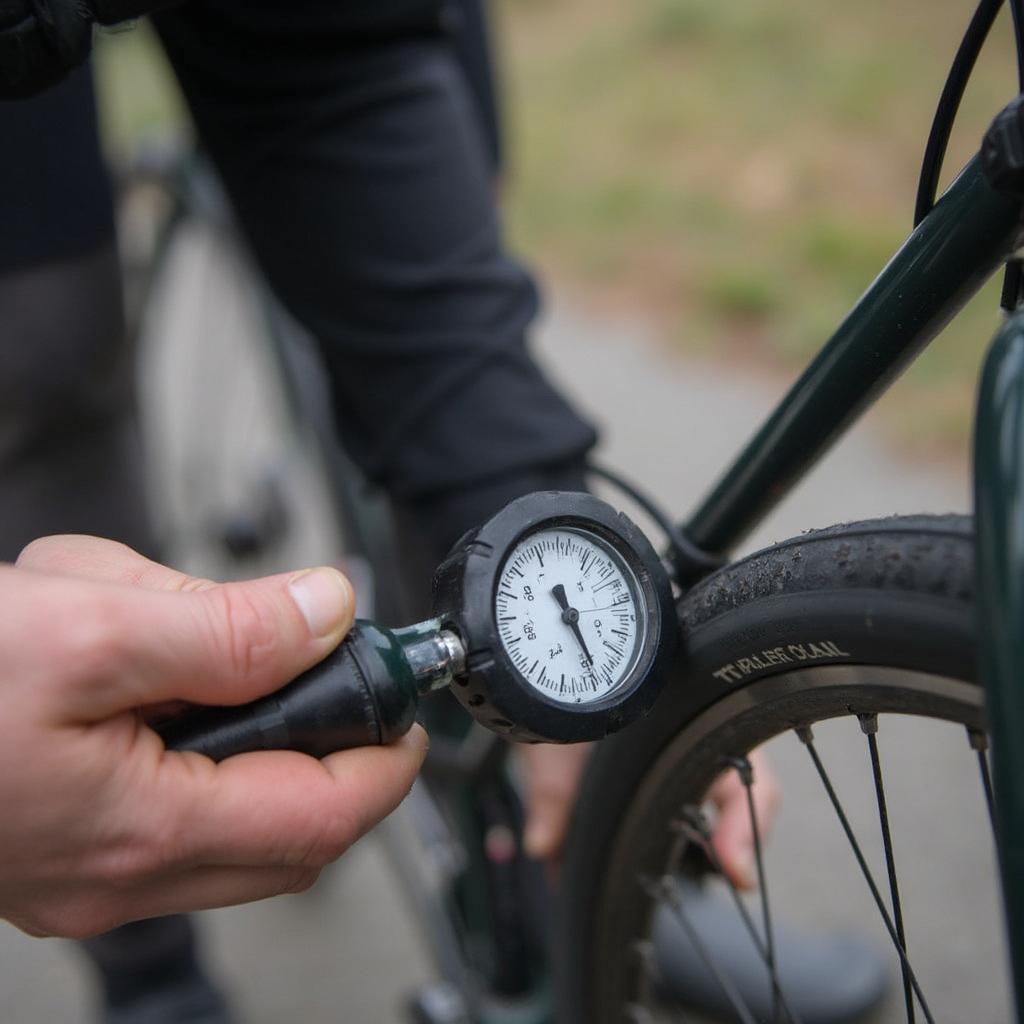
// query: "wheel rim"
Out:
[733,726]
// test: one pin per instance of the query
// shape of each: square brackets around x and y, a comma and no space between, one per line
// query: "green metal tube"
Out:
[999,511]
[941,265]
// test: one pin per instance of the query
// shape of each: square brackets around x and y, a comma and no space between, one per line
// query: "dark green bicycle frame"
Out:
[956,248]
[999,510]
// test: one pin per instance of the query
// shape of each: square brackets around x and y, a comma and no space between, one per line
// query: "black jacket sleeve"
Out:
[41,41]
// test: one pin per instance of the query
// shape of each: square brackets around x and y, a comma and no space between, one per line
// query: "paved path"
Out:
[346,952]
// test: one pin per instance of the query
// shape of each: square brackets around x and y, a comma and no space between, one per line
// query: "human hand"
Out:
[101,824]
[552,774]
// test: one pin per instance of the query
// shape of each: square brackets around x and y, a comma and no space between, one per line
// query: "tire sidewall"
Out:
[725,653]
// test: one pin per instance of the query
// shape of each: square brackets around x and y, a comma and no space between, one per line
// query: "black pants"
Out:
[69,447]
[356,163]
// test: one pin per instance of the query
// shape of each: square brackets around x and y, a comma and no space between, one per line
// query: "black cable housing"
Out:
[1017,13]
[945,117]
[949,103]
[689,562]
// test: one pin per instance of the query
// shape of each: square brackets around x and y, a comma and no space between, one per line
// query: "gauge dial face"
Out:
[570,614]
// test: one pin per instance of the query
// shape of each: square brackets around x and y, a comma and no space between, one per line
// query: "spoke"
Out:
[666,890]
[645,954]
[869,725]
[806,737]
[746,773]
[639,1012]
[979,744]
[694,826]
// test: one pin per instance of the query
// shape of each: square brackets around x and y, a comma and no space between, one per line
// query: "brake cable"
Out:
[949,103]
[945,115]
[1013,278]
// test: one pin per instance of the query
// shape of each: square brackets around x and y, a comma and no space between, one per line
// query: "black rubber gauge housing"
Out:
[493,689]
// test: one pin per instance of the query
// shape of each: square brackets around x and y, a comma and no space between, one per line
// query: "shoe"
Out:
[825,978]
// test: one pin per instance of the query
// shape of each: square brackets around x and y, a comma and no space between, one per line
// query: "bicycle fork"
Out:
[999,514]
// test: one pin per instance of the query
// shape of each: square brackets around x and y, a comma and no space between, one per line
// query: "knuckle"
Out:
[76,554]
[93,635]
[191,584]
[59,922]
[36,553]
[335,832]
[83,925]
[71,918]
[146,844]
[43,923]
[129,866]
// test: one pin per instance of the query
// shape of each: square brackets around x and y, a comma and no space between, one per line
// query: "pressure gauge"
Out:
[553,623]
[565,614]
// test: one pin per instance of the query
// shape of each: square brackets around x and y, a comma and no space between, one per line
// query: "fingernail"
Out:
[324,597]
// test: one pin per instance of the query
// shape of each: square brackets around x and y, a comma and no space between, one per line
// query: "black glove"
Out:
[42,40]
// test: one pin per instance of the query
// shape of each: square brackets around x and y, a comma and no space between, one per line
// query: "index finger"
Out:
[280,808]
[108,561]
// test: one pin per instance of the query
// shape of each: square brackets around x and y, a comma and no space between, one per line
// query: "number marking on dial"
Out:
[574,634]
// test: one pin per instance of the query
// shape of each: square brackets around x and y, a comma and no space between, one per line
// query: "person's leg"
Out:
[356,164]
[70,457]
[69,449]
[472,41]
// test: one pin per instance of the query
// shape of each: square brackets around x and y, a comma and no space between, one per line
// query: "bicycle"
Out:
[867,620]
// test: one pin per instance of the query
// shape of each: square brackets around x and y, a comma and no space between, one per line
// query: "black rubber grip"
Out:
[362,694]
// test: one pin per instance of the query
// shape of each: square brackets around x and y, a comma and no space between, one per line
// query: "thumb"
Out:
[227,644]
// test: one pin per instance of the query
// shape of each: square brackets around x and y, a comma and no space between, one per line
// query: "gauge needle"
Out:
[571,617]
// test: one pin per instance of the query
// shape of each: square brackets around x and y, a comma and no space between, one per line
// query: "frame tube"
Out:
[999,511]
[943,263]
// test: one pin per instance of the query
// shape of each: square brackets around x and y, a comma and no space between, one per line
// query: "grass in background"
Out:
[738,169]
[139,99]
[743,169]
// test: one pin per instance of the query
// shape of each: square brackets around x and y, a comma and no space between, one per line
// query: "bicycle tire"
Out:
[869,617]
